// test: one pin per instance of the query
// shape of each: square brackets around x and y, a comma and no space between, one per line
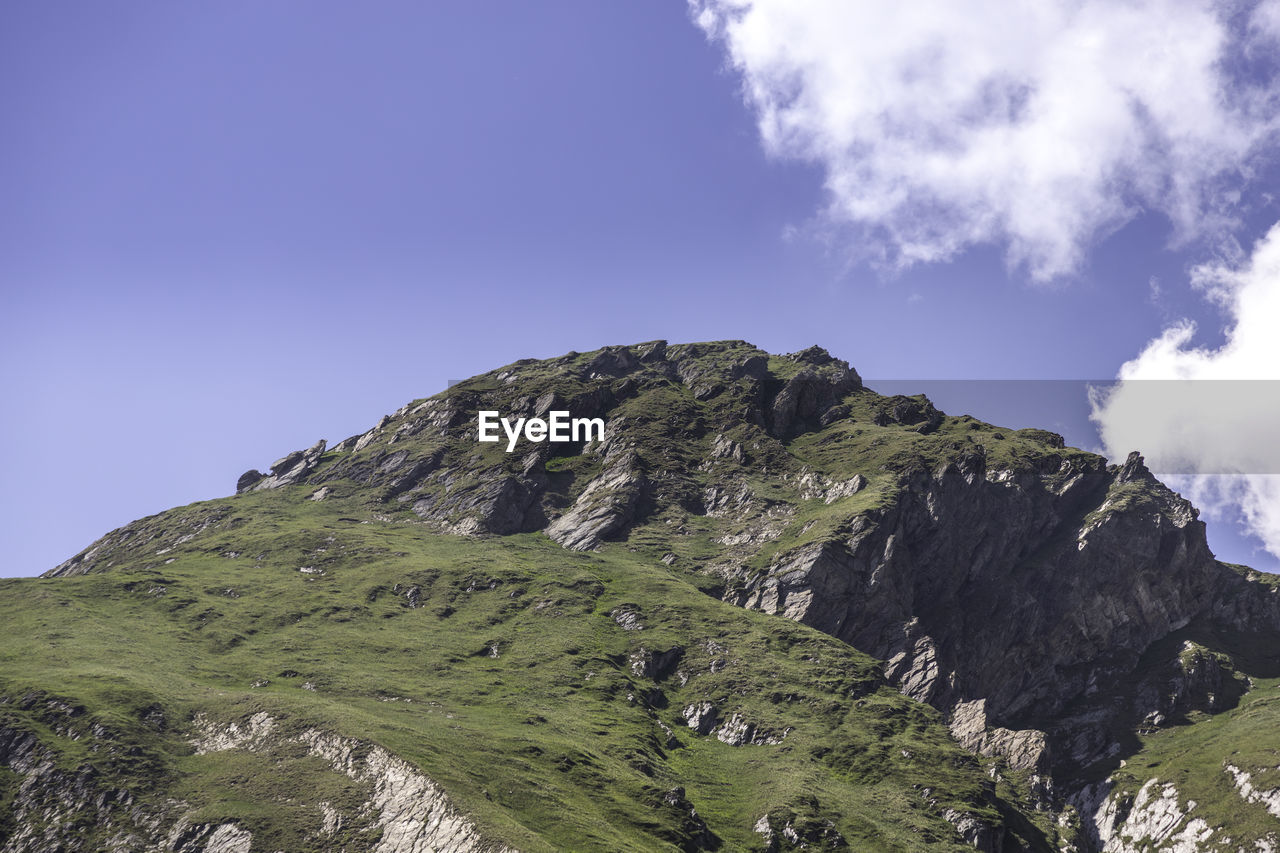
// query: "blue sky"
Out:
[232,229]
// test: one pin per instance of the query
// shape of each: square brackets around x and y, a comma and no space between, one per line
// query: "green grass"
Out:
[540,744]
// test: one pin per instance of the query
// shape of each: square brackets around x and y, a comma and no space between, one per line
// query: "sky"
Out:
[229,230]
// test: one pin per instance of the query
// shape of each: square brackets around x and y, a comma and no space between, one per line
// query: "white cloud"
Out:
[1038,126]
[1253,499]
[1218,424]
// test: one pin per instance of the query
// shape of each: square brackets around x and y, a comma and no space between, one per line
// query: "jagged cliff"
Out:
[1057,613]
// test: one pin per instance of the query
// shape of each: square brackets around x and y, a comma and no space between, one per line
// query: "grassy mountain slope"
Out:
[771,609]
[499,667]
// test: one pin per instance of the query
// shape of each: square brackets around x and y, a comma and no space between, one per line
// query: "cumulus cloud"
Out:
[1212,414]
[1039,127]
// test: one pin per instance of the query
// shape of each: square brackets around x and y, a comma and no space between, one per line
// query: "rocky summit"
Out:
[770,609]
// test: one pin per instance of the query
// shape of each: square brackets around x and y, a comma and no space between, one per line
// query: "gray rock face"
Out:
[702,717]
[976,833]
[210,838]
[911,411]
[285,471]
[508,505]
[248,480]
[409,811]
[606,506]
[800,825]
[1021,750]
[808,395]
[628,619]
[1000,598]
[726,448]
[63,809]
[612,361]
[1156,818]
[706,719]
[739,731]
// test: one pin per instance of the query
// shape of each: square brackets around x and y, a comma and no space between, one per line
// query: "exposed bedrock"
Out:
[994,587]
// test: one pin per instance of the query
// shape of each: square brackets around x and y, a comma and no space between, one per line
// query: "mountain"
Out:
[765,609]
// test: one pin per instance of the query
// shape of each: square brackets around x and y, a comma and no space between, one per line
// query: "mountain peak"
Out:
[1026,591]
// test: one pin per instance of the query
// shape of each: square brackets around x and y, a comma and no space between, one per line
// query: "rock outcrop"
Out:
[285,471]
[606,507]
[61,808]
[410,811]
[1016,592]
[57,809]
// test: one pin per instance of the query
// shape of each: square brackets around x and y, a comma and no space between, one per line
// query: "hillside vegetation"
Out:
[770,610]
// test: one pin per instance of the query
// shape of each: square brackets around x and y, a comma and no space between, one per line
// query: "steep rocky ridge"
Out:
[1053,609]
[1023,589]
